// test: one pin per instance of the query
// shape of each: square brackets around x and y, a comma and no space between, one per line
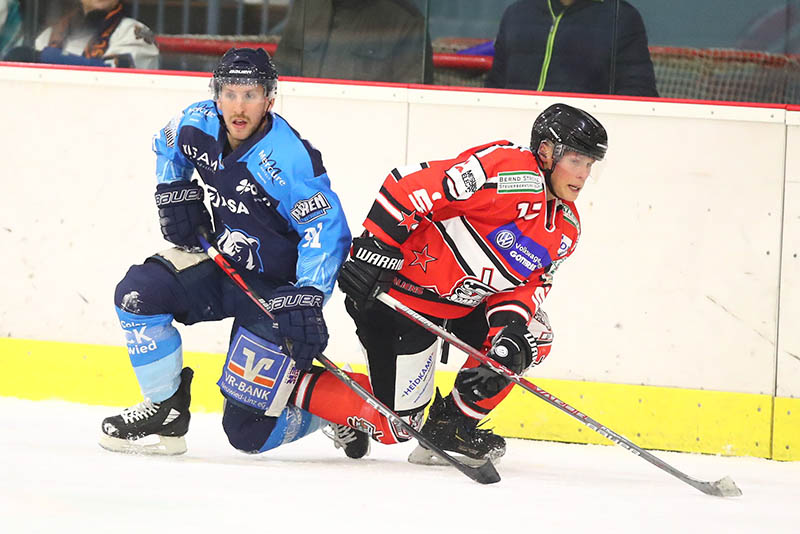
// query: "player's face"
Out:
[104,5]
[570,174]
[242,107]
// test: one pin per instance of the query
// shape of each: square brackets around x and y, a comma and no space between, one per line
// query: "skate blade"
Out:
[153,444]
[422,456]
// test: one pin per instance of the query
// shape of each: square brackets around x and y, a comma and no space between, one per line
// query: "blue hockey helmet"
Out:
[245,66]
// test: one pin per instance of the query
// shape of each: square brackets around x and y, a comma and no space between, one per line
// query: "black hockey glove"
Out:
[515,347]
[298,312]
[182,212]
[371,267]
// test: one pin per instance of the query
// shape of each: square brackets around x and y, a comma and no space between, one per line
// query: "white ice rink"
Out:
[55,478]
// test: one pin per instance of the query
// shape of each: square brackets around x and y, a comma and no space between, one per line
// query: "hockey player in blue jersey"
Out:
[276,219]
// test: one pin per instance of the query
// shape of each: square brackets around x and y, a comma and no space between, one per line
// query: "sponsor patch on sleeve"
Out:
[519,182]
[309,209]
[463,179]
[566,242]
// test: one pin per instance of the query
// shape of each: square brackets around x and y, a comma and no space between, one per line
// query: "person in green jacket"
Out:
[573,46]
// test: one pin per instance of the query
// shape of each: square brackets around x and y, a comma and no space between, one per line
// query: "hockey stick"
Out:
[724,487]
[484,474]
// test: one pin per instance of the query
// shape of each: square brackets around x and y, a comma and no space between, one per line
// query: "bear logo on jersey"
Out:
[241,248]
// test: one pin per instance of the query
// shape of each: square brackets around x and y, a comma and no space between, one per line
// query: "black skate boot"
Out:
[354,442]
[448,428]
[150,428]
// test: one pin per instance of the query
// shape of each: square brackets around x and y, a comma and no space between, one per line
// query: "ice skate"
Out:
[454,432]
[151,428]
[354,442]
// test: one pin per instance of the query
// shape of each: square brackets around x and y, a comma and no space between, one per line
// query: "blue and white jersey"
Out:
[275,215]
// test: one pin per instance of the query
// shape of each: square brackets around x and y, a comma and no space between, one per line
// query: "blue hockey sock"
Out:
[293,424]
[154,346]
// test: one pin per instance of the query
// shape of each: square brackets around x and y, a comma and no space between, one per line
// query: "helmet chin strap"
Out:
[548,173]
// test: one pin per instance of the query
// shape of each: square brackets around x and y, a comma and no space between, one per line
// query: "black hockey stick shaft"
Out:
[484,474]
[724,487]
[223,264]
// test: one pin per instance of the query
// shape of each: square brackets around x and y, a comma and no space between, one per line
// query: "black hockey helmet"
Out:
[569,128]
[245,66]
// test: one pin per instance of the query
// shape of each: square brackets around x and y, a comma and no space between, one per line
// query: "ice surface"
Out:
[54,478]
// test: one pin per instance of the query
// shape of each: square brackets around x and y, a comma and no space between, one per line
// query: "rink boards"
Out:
[675,321]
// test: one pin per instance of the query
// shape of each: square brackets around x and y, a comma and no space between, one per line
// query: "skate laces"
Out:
[481,426]
[341,435]
[143,410]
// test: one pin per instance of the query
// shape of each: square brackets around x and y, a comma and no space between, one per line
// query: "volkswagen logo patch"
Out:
[505,239]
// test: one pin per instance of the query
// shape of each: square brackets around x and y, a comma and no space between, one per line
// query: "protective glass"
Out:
[216,85]
[578,161]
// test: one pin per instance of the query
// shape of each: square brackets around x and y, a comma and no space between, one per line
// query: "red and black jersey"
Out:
[474,228]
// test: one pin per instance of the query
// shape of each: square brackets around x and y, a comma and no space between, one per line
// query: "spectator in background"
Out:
[372,40]
[775,30]
[95,33]
[566,46]
[10,26]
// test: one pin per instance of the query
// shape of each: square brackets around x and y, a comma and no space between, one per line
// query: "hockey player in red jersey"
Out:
[472,241]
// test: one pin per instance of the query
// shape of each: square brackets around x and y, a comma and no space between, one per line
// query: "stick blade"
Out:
[486,474]
[727,487]
[724,487]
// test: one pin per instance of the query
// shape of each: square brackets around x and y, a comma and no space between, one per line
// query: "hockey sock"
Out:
[322,394]
[293,424]
[154,346]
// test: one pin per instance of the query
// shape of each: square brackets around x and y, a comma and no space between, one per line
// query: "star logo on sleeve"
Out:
[409,221]
[422,258]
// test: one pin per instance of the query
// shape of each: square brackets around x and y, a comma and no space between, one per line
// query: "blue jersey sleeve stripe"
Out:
[171,164]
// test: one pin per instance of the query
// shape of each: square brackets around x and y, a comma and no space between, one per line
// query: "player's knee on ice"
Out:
[246,430]
[253,433]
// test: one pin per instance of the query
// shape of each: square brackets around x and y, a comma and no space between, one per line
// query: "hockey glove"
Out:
[298,312]
[182,212]
[370,268]
[516,347]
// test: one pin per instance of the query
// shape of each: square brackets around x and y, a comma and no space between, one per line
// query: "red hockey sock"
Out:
[322,394]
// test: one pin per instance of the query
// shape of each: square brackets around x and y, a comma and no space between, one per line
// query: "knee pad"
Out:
[146,289]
